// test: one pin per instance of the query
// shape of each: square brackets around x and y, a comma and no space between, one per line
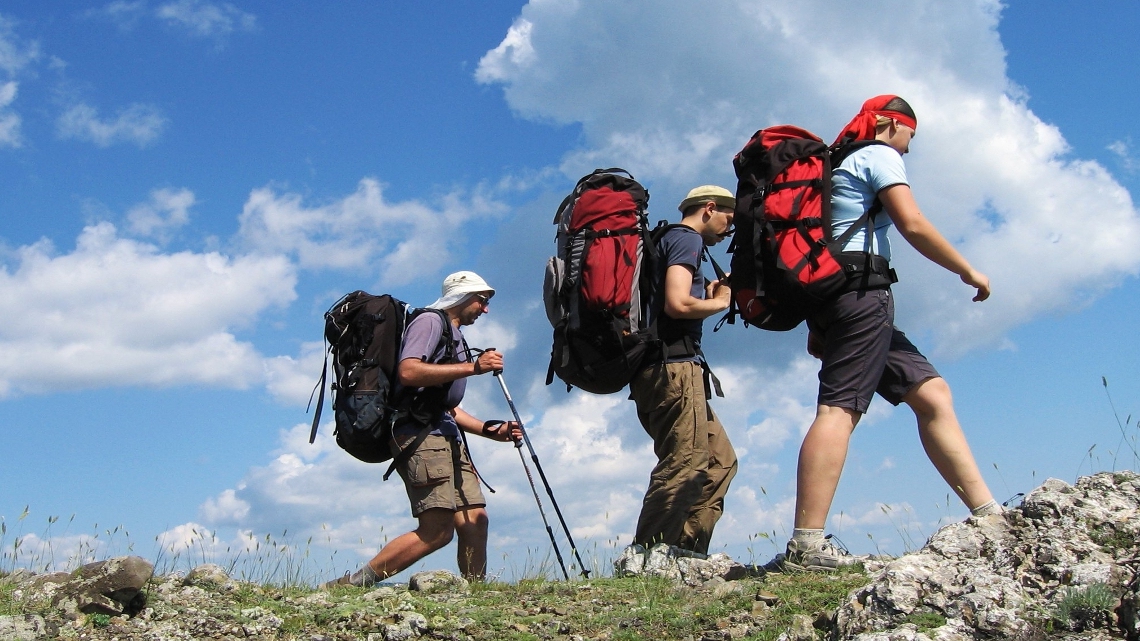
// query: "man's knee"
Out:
[436,528]
[473,520]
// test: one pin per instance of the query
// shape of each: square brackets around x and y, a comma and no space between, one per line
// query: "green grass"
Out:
[1084,603]
[1113,538]
[925,621]
[622,609]
[625,608]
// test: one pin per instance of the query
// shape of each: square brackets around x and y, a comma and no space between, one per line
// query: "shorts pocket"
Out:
[429,466]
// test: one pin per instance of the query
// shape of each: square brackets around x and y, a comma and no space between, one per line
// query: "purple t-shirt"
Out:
[422,340]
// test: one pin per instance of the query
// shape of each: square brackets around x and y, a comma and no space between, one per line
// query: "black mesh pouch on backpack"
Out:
[364,332]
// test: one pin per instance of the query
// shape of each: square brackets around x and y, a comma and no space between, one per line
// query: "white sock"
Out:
[805,535]
[988,508]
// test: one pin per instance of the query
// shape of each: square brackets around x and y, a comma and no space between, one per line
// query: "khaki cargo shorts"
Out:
[439,474]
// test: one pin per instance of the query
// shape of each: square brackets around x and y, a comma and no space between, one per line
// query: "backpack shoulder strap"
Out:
[447,338]
[839,152]
[446,334]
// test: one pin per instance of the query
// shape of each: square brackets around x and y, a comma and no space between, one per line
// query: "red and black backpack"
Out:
[598,283]
[785,258]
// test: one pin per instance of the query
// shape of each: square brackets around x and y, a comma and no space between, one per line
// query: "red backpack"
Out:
[785,259]
[595,286]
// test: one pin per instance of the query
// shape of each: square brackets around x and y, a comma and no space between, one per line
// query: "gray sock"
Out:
[365,577]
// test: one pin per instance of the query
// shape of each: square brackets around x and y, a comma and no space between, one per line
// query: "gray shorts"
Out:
[864,353]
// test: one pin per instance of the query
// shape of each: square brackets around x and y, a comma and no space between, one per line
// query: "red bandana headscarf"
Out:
[862,126]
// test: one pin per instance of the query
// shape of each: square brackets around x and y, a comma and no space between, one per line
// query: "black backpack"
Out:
[364,333]
[595,285]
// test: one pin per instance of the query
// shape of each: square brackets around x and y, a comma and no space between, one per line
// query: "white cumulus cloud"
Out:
[15,54]
[361,229]
[9,120]
[999,182]
[206,19]
[119,312]
[139,124]
[167,210]
[124,13]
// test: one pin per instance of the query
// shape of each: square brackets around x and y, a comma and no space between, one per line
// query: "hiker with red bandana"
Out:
[861,350]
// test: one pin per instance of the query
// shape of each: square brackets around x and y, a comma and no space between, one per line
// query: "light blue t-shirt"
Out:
[854,187]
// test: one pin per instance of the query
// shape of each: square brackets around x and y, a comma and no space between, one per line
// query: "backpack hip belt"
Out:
[866,271]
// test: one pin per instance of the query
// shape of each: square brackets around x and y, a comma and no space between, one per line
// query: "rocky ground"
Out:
[1062,565]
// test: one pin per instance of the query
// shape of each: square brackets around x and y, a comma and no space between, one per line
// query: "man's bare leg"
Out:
[471,525]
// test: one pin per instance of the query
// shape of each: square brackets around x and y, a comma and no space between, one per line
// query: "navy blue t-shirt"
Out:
[680,245]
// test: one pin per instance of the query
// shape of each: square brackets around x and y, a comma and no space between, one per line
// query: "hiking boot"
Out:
[822,556]
[776,564]
[750,571]
[342,581]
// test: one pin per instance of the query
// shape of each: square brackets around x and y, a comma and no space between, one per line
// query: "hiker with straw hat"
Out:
[695,460]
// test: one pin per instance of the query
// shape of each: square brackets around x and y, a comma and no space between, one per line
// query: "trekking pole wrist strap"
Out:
[487,425]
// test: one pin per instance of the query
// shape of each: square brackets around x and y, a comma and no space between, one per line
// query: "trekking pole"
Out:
[545,522]
[549,492]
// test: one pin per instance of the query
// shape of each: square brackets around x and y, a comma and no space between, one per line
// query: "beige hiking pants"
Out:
[695,460]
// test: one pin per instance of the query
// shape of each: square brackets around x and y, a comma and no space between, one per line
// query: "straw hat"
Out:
[708,193]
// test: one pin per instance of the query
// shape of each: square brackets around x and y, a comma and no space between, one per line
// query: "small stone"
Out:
[437,581]
[802,628]
[724,589]
[738,631]
[824,621]
[207,575]
[767,598]
[631,561]
[110,587]
[28,627]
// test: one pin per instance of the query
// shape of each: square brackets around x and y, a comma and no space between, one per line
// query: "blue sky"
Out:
[189,184]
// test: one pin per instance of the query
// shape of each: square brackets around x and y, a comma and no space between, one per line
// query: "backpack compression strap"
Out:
[320,398]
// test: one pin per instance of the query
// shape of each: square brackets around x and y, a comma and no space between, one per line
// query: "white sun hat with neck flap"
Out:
[457,287]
